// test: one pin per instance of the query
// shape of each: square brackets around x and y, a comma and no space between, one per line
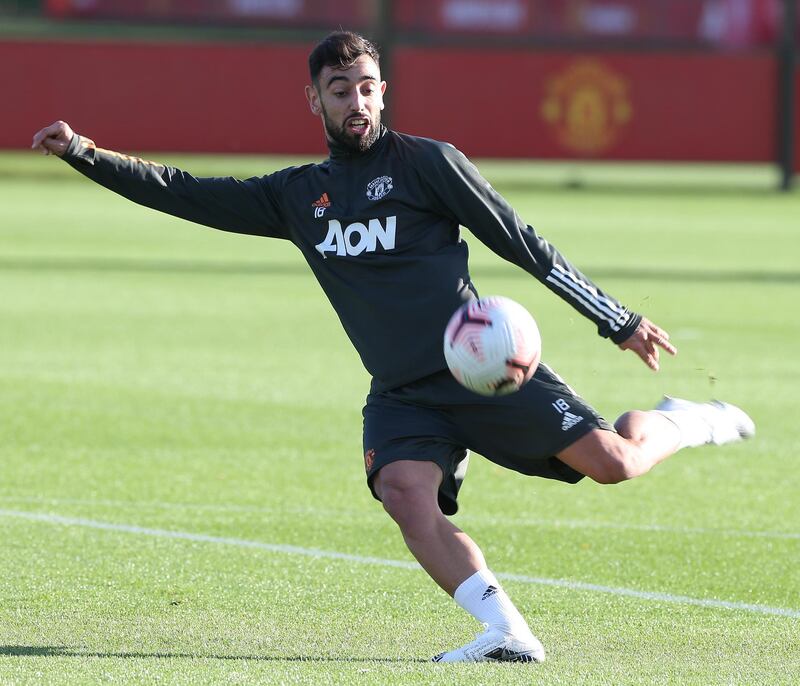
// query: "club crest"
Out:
[379,188]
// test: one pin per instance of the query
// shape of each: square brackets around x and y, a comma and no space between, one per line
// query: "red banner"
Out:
[553,105]
[143,96]
[625,106]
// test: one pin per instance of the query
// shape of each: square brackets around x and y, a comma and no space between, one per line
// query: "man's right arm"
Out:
[229,204]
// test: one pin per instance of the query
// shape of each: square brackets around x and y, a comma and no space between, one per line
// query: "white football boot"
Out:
[727,422]
[494,645]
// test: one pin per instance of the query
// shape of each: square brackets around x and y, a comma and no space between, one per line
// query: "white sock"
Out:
[693,427]
[482,596]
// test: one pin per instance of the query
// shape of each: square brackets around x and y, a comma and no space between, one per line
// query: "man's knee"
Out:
[632,425]
[604,456]
[408,491]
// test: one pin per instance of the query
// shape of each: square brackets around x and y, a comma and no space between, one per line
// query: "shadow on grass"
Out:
[117,264]
[65,651]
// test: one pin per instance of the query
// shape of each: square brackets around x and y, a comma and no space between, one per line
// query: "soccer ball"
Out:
[492,345]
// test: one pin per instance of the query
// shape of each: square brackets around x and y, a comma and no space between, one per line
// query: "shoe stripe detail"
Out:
[505,655]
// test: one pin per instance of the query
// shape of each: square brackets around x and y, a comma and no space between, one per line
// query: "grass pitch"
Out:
[181,488]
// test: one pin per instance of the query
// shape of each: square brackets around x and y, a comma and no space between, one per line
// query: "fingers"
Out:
[38,137]
[654,339]
[660,337]
[47,131]
[647,342]
[655,335]
[647,351]
[651,357]
[53,139]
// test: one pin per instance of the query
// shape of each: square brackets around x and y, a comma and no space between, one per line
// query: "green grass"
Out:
[156,374]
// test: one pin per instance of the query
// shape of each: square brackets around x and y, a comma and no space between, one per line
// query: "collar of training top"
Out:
[341,153]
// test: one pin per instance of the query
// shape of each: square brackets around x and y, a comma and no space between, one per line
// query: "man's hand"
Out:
[53,139]
[646,341]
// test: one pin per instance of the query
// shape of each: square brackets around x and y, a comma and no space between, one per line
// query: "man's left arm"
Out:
[464,194]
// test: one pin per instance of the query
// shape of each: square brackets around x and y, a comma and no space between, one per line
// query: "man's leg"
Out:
[644,439]
[408,490]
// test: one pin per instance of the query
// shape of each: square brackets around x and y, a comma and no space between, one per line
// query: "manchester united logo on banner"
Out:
[588,106]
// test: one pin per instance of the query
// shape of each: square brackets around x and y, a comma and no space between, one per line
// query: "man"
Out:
[378,222]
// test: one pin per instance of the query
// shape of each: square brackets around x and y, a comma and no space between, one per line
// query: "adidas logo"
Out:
[324,201]
[569,420]
[489,592]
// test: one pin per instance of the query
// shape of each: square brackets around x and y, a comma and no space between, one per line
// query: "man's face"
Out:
[350,103]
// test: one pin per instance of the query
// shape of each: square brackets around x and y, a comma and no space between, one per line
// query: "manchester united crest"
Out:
[380,187]
[369,459]
[588,106]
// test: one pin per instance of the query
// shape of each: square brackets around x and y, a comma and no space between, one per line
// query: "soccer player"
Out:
[378,223]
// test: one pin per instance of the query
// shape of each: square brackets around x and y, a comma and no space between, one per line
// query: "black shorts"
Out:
[437,420]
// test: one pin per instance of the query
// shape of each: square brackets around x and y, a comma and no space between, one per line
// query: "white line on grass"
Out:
[345,513]
[661,528]
[402,564]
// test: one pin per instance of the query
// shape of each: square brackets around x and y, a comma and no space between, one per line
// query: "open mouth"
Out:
[357,125]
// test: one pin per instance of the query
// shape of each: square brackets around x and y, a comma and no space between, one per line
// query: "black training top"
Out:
[380,231]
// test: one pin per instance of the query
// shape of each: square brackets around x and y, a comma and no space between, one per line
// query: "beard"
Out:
[351,141]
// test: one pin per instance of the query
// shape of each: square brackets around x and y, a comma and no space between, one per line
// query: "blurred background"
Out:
[658,80]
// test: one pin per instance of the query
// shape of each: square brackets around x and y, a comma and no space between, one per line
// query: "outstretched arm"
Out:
[462,193]
[249,206]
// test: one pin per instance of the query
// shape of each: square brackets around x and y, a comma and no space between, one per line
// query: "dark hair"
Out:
[340,50]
